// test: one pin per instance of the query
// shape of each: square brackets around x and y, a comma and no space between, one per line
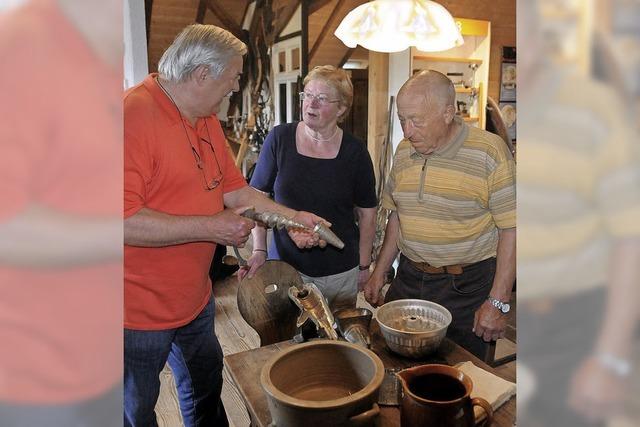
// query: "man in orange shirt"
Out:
[179,177]
[61,214]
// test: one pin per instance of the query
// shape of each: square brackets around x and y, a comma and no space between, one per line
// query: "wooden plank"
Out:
[202,10]
[325,29]
[316,5]
[284,15]
[447,59]
[473,27]
[288,36]
[346,57]
[377,106]
[148,9]
[305,38]
[226,20]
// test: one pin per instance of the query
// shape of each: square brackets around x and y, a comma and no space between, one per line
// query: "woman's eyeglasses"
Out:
[321,98]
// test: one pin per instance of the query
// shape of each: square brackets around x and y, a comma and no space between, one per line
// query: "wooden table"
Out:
[245,368]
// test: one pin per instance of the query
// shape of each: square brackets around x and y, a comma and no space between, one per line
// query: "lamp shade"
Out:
[395,25]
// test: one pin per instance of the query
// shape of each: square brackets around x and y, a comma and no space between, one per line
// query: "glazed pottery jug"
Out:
[439,395]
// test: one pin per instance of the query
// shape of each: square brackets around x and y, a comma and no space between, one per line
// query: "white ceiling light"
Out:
[394,25]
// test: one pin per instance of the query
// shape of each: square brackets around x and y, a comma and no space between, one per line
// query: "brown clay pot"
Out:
[323,383]
[439,396]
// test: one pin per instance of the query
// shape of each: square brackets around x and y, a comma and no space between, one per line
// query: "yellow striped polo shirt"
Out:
[452,202]
[578,185]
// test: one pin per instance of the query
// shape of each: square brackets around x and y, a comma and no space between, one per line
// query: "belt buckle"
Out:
[454,269]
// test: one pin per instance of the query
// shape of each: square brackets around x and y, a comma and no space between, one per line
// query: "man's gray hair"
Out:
[438,89]
[199,45]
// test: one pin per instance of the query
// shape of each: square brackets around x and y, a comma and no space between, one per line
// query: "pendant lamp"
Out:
[395,25]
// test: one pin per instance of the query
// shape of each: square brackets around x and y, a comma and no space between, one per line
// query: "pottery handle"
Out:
[365,418]
[478,401]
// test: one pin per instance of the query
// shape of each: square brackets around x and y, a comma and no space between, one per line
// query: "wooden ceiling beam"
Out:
[325,29]
[346,57]
[202,10]
[316,5]
[289,9]
[148,9]
[224,18]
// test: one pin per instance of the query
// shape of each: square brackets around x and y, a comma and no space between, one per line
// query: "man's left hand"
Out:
[596,393]
[489,322]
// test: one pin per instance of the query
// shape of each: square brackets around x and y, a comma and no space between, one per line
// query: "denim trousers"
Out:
[99,411]
[555,343]
[461,294]
[195,358]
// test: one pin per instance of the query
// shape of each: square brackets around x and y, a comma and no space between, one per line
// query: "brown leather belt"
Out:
[425,267]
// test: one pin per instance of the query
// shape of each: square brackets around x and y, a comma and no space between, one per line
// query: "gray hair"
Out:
[199,45]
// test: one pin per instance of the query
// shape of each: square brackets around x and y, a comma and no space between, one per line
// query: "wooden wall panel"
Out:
[331,50]
[317,21]
[502,14]
[169,17]
[378,108]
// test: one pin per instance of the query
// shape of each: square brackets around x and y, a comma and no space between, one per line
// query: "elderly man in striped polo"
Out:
[451,193]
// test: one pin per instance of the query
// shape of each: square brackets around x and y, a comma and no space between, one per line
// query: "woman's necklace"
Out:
[316,139]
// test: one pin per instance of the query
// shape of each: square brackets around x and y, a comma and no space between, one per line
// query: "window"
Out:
[286,59]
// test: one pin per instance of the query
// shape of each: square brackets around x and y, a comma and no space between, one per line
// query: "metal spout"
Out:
[314,305]
[328,235]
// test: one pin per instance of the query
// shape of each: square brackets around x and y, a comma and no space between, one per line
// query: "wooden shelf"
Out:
[448,59]
[462,65]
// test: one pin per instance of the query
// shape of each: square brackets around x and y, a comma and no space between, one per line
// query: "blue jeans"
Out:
[195,357]
[100,411]
[461,294]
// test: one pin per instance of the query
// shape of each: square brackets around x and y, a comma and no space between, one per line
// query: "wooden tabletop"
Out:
[245,368]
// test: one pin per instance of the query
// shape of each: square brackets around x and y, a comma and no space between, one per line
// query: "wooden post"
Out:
[378,105]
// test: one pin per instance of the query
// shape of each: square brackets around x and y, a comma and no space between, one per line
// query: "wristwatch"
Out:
[502,306]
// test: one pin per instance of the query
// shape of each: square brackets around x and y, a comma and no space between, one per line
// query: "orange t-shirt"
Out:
[167,287]
[60,151]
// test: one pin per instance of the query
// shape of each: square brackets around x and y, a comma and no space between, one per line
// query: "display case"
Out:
[466,65]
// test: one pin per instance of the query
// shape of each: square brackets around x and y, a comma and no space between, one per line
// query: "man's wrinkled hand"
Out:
[596,393]
[230,229]
[372,289]
[489,322]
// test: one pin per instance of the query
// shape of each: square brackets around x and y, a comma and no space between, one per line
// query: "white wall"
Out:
[294,25]
[135,43]
[399,72]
